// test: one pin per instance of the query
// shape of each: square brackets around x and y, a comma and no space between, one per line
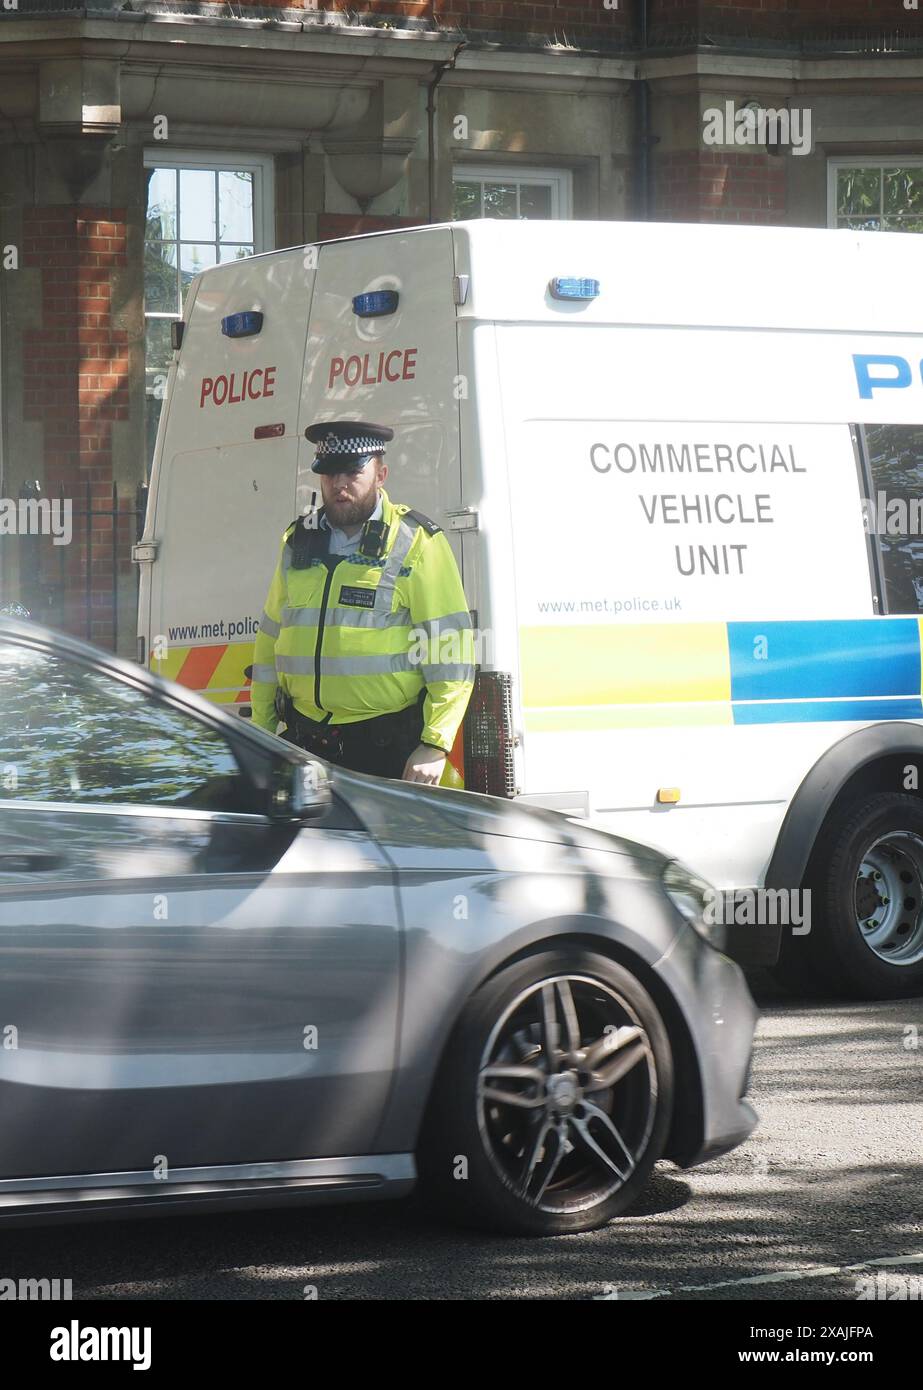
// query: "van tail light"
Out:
[488,729]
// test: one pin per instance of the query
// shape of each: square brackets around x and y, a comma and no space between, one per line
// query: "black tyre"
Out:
[866,882]
[553,1100]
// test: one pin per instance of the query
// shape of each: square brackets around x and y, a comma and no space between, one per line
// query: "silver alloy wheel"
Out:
[567,1093]
[889,898]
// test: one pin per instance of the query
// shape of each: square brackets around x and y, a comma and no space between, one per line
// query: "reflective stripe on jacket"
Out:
[354,638]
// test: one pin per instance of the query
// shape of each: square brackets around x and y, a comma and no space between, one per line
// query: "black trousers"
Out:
[379,746]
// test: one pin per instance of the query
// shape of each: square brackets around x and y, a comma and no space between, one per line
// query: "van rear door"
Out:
[395,368]
[223,487]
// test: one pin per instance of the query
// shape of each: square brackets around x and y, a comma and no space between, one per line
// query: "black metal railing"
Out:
[85,583]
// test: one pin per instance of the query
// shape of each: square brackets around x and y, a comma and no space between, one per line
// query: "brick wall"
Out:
[670,21]
[675,20]
[719,186]
[589,20]
[75,384]
[853,13]
[570,19]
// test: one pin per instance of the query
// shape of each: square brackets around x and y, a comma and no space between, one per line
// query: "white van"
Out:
[681,469]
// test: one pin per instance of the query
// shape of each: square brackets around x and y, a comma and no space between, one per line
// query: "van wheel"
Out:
[866,883]
[553,1099]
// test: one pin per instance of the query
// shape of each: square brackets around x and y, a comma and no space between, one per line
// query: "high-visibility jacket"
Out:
[351,637]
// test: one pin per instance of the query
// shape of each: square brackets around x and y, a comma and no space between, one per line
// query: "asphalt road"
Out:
[832,1179]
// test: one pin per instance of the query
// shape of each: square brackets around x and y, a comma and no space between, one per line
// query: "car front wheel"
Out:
[553,1100]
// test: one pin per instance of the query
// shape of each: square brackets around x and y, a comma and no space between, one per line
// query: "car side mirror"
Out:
[303,793]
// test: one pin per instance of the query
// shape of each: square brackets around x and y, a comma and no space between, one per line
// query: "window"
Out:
[893,455]
[876,195]
[73,734]
[498,191]
[200,212]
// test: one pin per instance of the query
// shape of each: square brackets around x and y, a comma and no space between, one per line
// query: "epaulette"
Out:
[420,520]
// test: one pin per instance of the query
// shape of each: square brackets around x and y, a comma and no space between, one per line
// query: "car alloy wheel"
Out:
[553,1097]
[567,1094]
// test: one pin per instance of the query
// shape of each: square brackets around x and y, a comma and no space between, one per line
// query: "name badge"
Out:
[355,597]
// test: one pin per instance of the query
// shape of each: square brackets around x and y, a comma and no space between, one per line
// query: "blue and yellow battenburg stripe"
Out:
[644,675]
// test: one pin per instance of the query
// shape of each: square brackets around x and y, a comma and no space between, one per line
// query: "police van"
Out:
[681,468]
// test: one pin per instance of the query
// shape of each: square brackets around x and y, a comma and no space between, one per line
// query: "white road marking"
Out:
[782,1277]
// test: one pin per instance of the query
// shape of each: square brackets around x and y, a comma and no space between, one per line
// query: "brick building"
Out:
[142,141]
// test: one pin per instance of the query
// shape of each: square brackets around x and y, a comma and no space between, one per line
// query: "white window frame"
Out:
[260,166]
[560,181]
[860,161]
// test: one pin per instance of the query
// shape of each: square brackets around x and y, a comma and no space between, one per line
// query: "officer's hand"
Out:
[424,765]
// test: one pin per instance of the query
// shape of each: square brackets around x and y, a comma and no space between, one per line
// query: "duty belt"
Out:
[322,734]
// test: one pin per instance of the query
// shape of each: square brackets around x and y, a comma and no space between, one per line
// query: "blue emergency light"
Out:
[375,303]
[573,287]
[243,325]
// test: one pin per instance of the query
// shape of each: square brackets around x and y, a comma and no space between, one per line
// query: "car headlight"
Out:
[696,900]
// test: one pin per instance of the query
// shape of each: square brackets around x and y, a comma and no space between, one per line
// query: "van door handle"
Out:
[30,863]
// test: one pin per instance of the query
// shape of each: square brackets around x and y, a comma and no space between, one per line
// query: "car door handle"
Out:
[30,863]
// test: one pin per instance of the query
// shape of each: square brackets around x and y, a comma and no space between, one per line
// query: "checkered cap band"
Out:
[353,444]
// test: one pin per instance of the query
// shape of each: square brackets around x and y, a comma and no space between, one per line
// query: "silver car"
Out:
[233,975]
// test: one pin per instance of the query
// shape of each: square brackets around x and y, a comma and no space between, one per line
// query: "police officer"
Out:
[365,649]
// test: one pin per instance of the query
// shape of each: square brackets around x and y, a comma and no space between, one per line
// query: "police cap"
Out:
[344,444]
